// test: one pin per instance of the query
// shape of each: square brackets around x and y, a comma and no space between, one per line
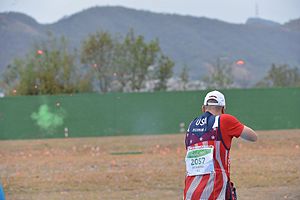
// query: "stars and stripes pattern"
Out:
[209,186]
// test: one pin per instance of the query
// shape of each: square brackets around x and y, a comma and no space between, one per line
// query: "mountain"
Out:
[261,22]
[197,42]
[293,25]
[18,32]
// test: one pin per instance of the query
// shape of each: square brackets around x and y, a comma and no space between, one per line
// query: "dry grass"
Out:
[99,168]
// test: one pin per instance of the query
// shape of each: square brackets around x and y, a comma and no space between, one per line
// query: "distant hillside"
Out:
[262,22]
[293,25]
[196,42]
[17,34]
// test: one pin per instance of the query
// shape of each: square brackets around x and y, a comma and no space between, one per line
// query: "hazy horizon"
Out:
[232,11]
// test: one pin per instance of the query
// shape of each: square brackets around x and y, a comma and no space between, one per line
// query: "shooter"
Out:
[208,142]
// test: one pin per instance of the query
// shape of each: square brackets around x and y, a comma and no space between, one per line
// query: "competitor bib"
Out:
[199,160]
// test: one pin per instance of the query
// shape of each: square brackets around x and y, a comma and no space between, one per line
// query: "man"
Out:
[208,142]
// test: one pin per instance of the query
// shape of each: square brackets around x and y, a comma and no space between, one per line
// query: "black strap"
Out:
[230,191]
[220,134]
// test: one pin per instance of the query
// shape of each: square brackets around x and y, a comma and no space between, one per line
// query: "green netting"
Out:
[88,115]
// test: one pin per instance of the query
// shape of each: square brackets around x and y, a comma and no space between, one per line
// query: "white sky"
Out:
[235,11]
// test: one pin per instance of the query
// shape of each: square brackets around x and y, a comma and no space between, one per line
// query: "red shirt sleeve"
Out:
[230,127]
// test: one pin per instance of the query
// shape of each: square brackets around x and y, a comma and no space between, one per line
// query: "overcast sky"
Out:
[235,11]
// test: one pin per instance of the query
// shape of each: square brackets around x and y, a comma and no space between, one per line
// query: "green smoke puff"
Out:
[46,119]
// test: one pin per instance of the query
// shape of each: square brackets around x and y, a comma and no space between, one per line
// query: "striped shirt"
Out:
[216,131]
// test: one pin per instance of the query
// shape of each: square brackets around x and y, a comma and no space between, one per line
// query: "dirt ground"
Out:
[142,167]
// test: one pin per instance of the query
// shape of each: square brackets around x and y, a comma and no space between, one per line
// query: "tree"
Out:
[98,51]
[143,61]
[123,64]
[111,63]
[184,76]
[281,76]
[48,69]
[9,78]
[163,73]
[219,76]
[138,58]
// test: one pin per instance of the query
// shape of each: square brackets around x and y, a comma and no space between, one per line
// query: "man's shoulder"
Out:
[230,126]
[227,118]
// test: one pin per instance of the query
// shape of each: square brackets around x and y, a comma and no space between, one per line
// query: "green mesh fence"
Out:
[86,115]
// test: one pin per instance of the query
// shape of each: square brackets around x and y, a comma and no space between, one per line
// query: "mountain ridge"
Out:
[197,42]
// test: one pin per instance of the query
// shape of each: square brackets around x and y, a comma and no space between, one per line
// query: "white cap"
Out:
[216,95]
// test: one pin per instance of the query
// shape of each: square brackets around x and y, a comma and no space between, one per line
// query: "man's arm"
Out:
[249,134]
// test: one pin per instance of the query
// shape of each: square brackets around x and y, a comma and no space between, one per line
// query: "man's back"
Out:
[208,142]
[204,132]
